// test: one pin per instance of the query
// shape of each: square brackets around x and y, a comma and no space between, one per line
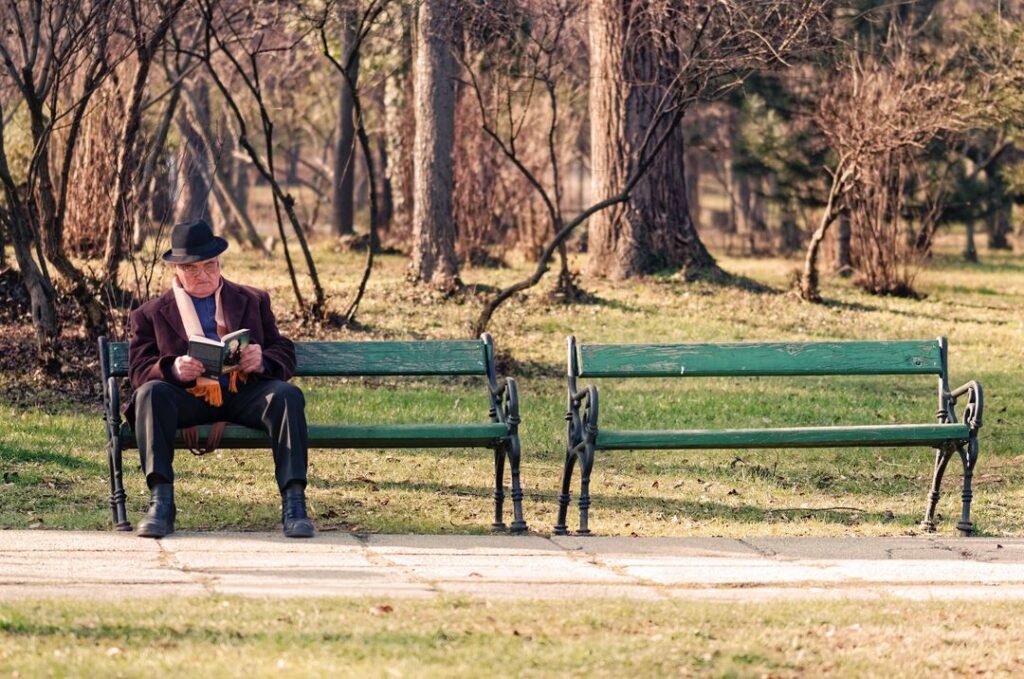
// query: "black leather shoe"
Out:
[293,512]
[159,519]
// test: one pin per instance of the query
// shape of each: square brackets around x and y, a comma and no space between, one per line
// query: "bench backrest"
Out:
[329,359]
[926,357]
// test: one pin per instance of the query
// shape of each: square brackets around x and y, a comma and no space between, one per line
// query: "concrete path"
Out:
[106,564]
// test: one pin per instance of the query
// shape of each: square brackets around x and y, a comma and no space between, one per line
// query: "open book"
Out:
[219,357]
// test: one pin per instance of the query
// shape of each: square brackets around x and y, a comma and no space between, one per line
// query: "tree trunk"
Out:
[653,230]
[234,214]
[691,161]
[999,228]
[387,206]
[399,120]
[128,153]
[748,208]
[345,152]
[433,254]
[146,182]
[50,228]
[193,170]
[970,252]
[40,289]
[844,263]
[41,294]
[165,188]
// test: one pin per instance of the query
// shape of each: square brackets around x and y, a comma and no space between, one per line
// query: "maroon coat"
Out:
[159,336]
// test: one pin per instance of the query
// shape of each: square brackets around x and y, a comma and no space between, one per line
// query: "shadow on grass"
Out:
[683,509]
[718,278]
[919,315]
[39,456]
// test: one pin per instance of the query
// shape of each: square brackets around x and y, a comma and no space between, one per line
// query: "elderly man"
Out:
[170,392]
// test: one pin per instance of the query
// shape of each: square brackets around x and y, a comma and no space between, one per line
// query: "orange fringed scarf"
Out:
[207,389]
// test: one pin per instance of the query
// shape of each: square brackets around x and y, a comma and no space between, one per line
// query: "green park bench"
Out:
[586,437]
[335,359]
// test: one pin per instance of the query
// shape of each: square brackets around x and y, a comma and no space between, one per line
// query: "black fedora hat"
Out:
[193,242]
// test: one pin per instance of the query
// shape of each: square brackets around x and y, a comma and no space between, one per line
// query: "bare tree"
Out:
[196,157]
[364,20]
[44,44]
[878,115]
[149,23]
[716,44]
[235,41]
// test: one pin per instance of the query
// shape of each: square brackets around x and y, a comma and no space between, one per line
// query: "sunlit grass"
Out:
[54,468]
[215,637]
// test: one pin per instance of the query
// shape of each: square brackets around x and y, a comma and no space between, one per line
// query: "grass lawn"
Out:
[54,475]
[53,465]
[217,637]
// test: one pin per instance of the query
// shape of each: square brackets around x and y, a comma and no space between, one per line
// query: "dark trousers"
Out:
[276,407]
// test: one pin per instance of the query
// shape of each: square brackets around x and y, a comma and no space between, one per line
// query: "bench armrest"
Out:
[582,416]
[975,403]
[504,398]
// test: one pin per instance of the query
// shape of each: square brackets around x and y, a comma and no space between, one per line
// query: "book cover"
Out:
[219,357]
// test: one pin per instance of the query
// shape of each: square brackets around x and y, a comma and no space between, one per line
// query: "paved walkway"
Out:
[97,564]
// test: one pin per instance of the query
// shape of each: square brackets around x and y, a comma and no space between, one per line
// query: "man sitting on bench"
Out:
[170,392]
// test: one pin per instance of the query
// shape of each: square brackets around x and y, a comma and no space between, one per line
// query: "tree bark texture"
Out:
[844,262]
[653,230]
[999,228]
[433,254]
[118,232]
[193,169]
[970,252]
[342,212]
[143,214]
[399,120]
[234,215]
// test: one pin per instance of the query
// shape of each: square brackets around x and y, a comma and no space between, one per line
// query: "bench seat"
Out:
[359,436]
[795,437]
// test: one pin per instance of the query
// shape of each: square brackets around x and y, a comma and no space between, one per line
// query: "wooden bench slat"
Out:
[760,359]
[359,436]
[794,437]
[333,359]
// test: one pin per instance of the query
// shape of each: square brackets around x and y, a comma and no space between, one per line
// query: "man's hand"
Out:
[186,368]
[252,359]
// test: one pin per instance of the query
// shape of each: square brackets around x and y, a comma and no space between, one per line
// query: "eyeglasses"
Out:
[193,270]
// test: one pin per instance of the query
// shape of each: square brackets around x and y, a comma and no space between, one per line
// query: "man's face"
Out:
[200,279]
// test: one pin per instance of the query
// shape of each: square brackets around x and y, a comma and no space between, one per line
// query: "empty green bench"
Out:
[948,435]
[334,359]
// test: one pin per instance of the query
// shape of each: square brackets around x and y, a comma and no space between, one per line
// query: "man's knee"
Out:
[155,393]
[288,394]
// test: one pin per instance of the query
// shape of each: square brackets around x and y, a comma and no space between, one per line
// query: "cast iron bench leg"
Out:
[117,494]
[586,465]
[514,453]
[499,485]
[942,457]
[565,496]
[969,456]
